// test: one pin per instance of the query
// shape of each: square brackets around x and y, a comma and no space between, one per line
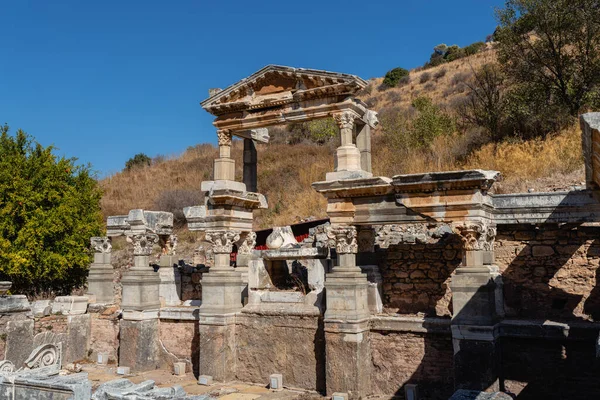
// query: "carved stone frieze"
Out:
[476,235]
[101,244]
[318,237]
[222,240]
[345,239]
[168,244]
[366,239]
[247,243]
[389,235]
[143,243]
[224,136]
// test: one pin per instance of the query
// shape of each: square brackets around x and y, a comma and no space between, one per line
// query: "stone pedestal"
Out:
[140,287]
[348,358]
[100,275]
[100,279]
[348,348]
[170,281]
[139,343]
[139,335]
[477,308]
[221,300]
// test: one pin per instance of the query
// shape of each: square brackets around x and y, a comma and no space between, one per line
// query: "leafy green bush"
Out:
[139,160]
[49,209]
[431,121]
[393,76]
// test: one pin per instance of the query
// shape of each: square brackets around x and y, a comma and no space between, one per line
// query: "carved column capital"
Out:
[247,243]
[345,239]
[101,244]
[168,243]
[224,136]
[345,119]
[476,235]
[143,243]
[222,241]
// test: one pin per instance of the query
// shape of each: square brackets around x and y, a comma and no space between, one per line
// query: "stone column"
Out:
[250,171]
[100,275]
[224,166]
[170,278]
[348,348]
[245,246]
[477,307]
[348,158]
[139,344]
[221,300]
[363,143]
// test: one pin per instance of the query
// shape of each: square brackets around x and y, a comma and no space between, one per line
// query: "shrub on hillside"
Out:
[175,200]
[139,160]
[393,76]
[405,80]
[425,77]
[49,209]
[440,74]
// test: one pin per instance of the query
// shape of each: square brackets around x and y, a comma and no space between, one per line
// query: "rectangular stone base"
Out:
[217,349]
[348,355]
[139,345]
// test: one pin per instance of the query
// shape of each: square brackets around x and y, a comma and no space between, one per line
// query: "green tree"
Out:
[49,209]
[322,130]
[139,160]
[393,76]
[430,122]
[551,49]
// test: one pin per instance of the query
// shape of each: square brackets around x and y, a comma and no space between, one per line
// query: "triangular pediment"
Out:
[276,85]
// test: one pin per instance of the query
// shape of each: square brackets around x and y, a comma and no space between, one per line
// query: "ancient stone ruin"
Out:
[421,286]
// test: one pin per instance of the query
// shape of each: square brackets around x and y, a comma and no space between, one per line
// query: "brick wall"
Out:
[416,277]
[550,272]
[402,357]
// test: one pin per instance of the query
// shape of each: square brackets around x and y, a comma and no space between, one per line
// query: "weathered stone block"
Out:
[19,341]
[70,305]
[276,382]
[78,337]
[138,348]
[179,368]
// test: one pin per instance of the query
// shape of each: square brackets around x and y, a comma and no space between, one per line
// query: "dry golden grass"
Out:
[286,172]
[540,164]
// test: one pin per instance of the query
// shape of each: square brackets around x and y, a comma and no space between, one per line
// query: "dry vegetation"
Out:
[285,172]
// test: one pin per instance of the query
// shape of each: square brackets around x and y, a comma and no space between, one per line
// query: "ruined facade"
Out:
[421,279]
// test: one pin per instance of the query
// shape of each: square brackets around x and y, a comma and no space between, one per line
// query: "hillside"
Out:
[285,172]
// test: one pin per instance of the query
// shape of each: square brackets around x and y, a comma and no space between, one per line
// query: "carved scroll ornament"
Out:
[345,239]
[222,241]
[476,235]
[224,136]
[143,243]
[101,244]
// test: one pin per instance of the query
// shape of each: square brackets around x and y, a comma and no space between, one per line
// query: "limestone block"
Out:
[103,358]
[79,329]
[70,305]
[276,382]
[347,175]
[170,282]
[205,380]
[339,396]
[224,169]
[158,222]
[19,341]
[15,303]
[375,288]
[123,370]
[141,288]
[258,277]
[24,386]
[179,368]
[139,345]
[348,158]
[100,282]
[195,217]
[41,308]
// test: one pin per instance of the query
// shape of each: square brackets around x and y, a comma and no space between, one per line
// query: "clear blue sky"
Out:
[104,80]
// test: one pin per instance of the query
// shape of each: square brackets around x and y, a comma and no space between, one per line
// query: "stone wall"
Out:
[416,277]
[289,345]
[105,333]
[180,340]
[550,369]
[550,272]
[420,358]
